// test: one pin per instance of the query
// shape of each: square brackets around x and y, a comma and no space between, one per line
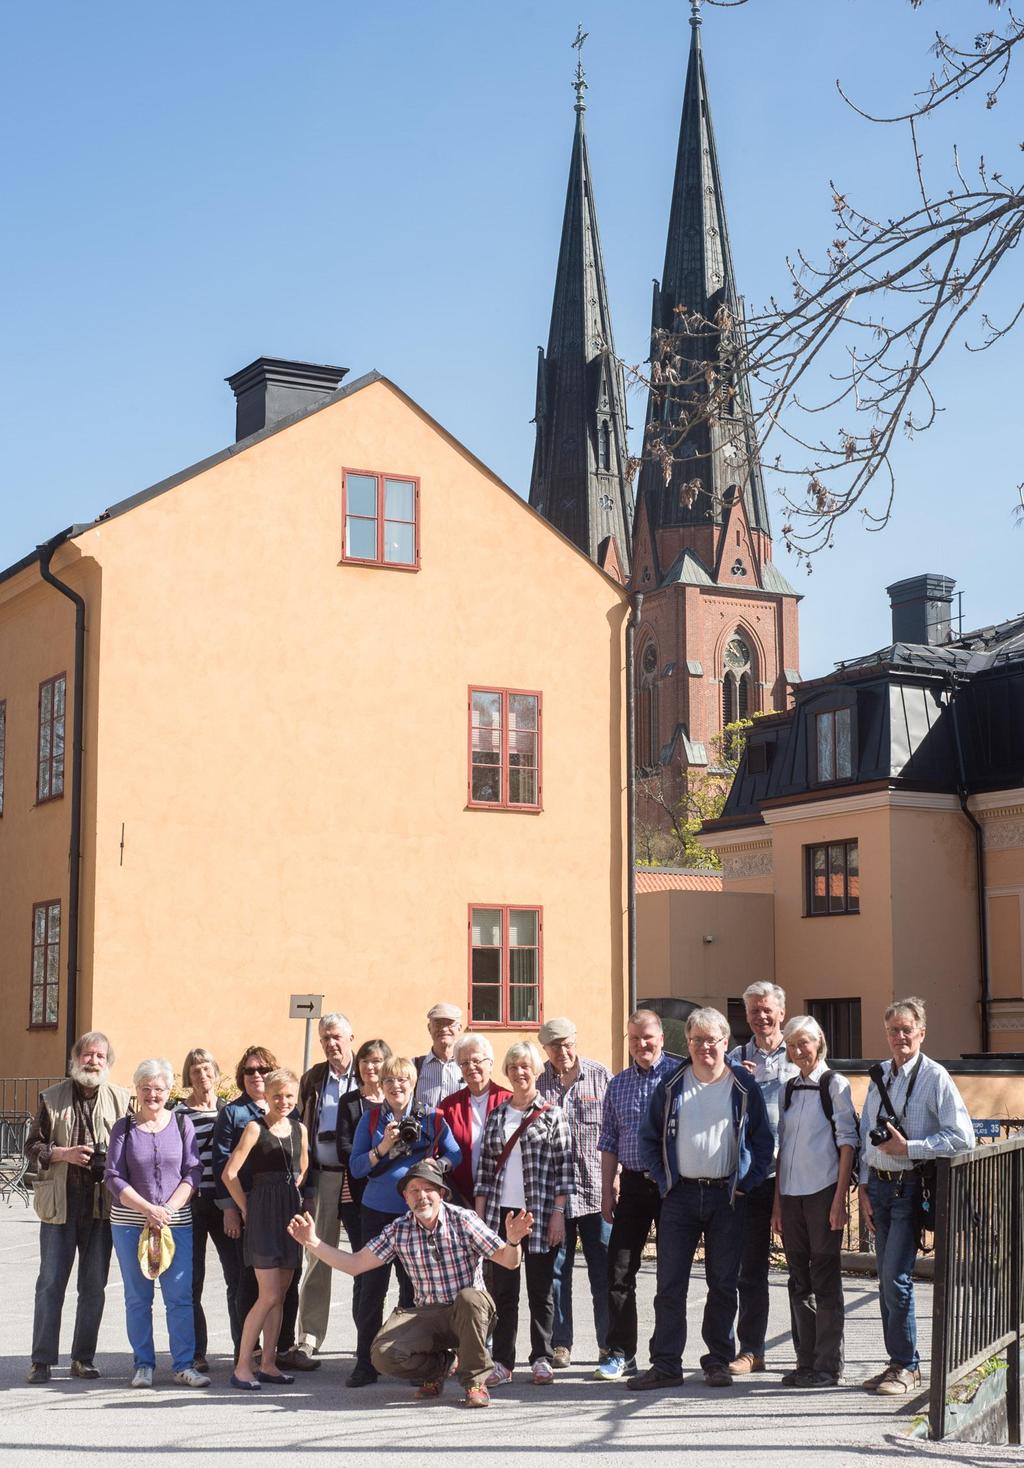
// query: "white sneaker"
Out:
[190,1377]
[542,1372]
[143,1376]
[500,1376]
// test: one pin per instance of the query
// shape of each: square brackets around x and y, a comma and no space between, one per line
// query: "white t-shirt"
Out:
[513,1188]
[477,1118]
[705,1139]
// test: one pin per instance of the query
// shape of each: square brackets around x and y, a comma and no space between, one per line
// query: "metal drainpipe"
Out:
[979,859]
[46,553]
[631,626]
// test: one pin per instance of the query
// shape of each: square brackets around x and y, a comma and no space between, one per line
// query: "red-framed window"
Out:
[45,982]
[3,749]
[505,966]
[504,749]
[833,878]
[380,516]
[50,761]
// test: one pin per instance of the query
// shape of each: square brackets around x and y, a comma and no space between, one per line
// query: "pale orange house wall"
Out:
[285,742]
[1004,884]
[673,958]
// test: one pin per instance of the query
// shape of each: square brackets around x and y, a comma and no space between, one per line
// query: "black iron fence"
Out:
[19,1095]
[978,1301]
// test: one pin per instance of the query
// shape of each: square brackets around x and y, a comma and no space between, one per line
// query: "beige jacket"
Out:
[50,1189]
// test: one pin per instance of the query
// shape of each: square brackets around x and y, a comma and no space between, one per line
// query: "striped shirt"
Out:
[440,1261]
[153,1164]
[437,1079]
[934,1121]
[626,1103]
[203,1123]
[583,1103]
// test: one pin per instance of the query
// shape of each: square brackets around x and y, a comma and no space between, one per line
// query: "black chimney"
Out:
[271,388]
[921,609]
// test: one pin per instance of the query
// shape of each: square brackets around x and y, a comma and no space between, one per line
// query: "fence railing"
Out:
[978,1300]
[19,1095]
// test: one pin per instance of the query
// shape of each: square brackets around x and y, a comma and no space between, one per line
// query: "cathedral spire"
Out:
[579,466]
[698,289]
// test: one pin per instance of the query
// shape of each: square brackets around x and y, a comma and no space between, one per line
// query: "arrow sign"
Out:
[305,1006]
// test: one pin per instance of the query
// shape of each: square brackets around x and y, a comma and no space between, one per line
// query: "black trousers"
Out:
[638,1207]
[815,1281]
[503,1287]
[208,1224]
[752,1322]
[352,1223]
[246,1294]
[369,1307]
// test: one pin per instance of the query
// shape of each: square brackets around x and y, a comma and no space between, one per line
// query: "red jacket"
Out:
[456,1111]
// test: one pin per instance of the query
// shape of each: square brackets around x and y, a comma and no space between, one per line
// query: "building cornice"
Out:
[736,841]
[998,803]
[852,804]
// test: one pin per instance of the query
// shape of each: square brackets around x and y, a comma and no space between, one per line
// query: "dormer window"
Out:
[833,744]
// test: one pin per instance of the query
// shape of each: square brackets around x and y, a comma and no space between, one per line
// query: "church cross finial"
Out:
[580,81]
[695,12]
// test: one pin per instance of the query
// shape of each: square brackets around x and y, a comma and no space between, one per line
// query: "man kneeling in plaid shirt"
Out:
[442,1249]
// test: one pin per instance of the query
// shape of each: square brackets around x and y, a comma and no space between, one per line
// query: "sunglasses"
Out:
[257,1070]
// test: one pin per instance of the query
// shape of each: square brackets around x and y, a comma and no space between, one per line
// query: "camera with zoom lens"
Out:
[879,1134]
[410,1130]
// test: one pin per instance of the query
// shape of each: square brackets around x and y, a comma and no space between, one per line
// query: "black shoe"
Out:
[815,1378]
[361,1375]
[38,1374]
[201,1365]
[296,1359]
[272,1378]
[717,1375]
[84,1370]
[791,1378]
[654,1380]
[245,1386]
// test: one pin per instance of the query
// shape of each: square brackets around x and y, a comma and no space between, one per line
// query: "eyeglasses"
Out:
[257,1070]
[705,1042]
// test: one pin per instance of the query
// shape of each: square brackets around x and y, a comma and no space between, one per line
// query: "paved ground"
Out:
[318,1418]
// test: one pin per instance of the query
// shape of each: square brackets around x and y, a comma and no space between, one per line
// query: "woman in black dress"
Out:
[277,1149]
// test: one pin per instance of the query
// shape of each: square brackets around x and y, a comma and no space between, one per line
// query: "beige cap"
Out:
[554,1030]
[445,1011]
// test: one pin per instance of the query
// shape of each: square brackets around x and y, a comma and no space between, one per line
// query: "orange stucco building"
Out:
[353,723]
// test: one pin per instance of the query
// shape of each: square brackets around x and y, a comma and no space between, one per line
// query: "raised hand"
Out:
[303,1230]
[517,1226]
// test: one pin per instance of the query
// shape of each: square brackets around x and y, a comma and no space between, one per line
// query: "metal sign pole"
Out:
[307,1007]
[307,1049]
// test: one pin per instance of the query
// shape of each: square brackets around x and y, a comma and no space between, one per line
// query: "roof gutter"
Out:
[962,791]
[46,554]
[636,604]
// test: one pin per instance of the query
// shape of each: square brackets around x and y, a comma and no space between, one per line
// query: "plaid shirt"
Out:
[582,1103]
[935,1121]
[626,1103]
[546,1148]
[442,1260]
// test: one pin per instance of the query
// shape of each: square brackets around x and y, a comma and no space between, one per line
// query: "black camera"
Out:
[98,1163]
[409,1130]
[879,1134]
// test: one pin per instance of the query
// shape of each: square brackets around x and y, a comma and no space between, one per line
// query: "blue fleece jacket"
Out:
[755,1144]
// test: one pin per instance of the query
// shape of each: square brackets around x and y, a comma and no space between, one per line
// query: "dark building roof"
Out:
[945,718]
[698,278]
[579,479]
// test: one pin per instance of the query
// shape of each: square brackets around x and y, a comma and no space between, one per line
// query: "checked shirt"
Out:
[546,1148]
[626,1103]
[582,1103]
[440,1261]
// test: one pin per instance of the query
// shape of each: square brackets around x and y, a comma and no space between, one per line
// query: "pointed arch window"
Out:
[648,749]
[605,450]
[737,682]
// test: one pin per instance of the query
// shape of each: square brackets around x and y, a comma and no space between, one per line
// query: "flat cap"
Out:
[554,1030]
[431,1170]
[445,1011]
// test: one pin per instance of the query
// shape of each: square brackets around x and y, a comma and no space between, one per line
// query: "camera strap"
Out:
[506,1151]
[877,1074]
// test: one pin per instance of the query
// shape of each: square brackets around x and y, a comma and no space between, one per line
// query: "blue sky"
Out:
[190,186]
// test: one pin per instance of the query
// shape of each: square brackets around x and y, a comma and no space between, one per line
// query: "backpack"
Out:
[824,1089]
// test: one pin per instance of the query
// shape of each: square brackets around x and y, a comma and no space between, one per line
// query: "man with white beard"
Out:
[67,1148]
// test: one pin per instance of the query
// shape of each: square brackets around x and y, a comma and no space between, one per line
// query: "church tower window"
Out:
[605,459]
[648,748]
[737,682]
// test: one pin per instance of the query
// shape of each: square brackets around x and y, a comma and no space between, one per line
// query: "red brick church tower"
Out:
[717,637]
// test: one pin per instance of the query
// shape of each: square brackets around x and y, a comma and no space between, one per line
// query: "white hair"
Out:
[469,1041]
[334,1021]
[707,1019]
[764,990]
[148,1070]
[806,1024]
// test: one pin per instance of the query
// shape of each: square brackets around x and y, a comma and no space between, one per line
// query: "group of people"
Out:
[461,1185]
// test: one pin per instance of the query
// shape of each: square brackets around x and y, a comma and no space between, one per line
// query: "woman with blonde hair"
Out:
[526,1164]
[277,1150]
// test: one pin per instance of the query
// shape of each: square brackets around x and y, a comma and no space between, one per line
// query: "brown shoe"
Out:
[746,1362]
[296,1359]
[872,1383]
[561,1357]
[898,1381]
[84,1371]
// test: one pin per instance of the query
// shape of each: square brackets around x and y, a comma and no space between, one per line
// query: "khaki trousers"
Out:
[413,1344]
[315,1290]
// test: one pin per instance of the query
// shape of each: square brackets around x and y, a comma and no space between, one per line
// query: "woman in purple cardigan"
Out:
[153,1168]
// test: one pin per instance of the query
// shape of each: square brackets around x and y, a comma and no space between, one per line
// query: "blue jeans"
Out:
[176,1288]
[59,1243]
[593,1234]
[689,1211]
[895,1252]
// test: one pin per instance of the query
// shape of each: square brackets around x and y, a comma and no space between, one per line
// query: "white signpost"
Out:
[307,1007]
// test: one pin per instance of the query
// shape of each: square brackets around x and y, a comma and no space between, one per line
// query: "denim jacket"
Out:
[755,1144]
